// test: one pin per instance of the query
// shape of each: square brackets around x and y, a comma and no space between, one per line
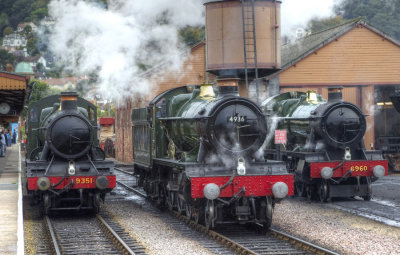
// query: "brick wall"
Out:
[192,73]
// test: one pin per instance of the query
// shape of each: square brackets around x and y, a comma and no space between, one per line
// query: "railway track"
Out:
[90,235]
[241,240]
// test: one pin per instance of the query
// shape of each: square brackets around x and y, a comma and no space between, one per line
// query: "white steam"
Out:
[117,42]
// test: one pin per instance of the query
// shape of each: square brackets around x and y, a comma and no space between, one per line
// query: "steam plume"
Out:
[117,43]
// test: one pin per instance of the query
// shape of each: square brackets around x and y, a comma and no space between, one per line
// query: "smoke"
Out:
[296,14]
[118,42]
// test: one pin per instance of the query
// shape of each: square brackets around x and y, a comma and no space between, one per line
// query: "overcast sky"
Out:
[296,13]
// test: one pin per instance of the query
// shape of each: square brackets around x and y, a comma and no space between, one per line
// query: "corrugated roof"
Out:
[294,52]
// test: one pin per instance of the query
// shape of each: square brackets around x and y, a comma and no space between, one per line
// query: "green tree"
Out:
[39,90]
[3,20]
[382,14]
[31,46]
[8,31]
[192,35]
[38,14]
[27,30]
[6,58]
[39,67]
[320,24]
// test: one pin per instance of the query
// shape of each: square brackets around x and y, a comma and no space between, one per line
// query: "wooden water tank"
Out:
[225,41]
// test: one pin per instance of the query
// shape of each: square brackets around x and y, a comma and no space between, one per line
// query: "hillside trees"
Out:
[382,14]
[6,58]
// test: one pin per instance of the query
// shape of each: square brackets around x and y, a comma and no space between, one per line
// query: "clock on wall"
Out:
[4,108]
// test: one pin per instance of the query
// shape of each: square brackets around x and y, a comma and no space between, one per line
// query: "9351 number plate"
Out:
[84,180]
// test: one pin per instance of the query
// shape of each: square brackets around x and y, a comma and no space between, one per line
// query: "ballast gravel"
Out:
[334,229]
[330,228]
[152,232]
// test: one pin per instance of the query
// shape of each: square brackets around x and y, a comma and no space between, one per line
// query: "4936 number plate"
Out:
[237,119]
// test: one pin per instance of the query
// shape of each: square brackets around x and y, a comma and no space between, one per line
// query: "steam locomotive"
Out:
[324,147]
[197,151]
[65,169]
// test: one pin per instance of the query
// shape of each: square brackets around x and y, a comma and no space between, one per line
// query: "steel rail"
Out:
[116,237]
[216,236]
[124,171]
[53,236]
[132,189]
[315,249]
[304,245]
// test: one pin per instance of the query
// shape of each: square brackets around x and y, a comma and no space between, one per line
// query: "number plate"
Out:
[237,119]
[359,168]
[84,180]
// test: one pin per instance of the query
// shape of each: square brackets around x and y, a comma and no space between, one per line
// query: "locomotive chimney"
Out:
[69,101]
[335,93]
[228,86]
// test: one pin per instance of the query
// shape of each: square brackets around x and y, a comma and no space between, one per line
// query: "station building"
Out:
[13,91]
[354,55]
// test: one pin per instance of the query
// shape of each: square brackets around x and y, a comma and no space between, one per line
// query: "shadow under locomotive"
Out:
[65,169]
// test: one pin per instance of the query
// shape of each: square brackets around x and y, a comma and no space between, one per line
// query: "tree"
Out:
[382,14]
[3,20]
[192,35]
[320,24]
[38,14]
[27,30]
[39,67]
[6,58]
[31,46]
[8,31]
[39,90]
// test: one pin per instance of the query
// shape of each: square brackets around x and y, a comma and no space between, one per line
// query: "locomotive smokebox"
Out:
[234,29]
[69,101]
[335,93]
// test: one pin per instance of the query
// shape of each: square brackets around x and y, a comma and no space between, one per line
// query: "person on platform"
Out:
[14,138]
[3,144]
[8,138]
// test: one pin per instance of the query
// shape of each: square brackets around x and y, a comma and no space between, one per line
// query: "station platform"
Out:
[11,217]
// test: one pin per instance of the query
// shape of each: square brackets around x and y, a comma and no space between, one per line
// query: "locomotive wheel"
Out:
[171,200]
[323,191]
[310,192]
[369,190]
[188,211]
[46,204]
[209,213]
[269,210]
[180,204]
[300,190]
[96,203]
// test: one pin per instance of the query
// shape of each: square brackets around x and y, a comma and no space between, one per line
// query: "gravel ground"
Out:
[156,235]
[339,231]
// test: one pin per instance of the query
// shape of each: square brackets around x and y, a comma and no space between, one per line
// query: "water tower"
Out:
[243,39]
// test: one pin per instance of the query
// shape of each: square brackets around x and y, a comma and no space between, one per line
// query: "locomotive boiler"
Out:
[324,147]
[65,169]
[197,151]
